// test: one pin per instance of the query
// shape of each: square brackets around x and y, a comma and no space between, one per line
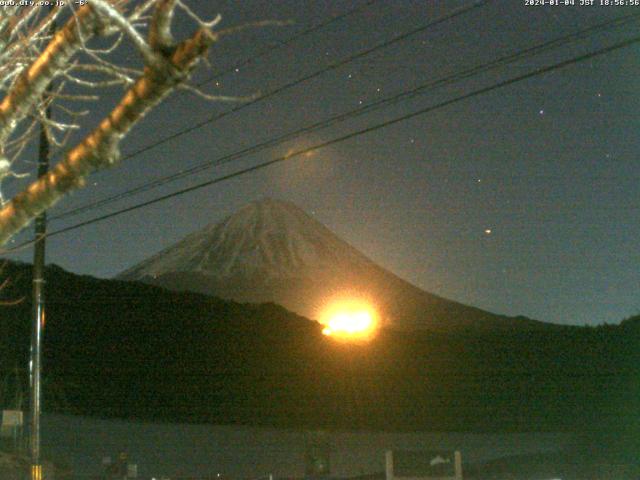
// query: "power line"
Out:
[438,106]
[288,41]
[404,95]
[251,60]
[333,66]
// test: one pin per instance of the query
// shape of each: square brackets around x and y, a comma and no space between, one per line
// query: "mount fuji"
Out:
[272,251]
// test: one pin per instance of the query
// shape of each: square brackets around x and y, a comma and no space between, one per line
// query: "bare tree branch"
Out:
[41,69]
[160,36]
[100,149]
[216,98]
[106,10]
[33,82]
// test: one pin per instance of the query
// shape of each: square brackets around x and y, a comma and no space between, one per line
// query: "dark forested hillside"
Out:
[125,349]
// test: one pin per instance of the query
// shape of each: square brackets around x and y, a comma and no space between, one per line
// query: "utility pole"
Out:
[38,312]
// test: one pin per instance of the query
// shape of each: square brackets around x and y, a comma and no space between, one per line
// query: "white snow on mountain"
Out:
[272,251]
[269,239]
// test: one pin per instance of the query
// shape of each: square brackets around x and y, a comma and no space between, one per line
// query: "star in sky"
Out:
[464,143]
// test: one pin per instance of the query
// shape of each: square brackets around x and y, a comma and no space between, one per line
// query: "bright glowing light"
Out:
[349,323]
[349,320]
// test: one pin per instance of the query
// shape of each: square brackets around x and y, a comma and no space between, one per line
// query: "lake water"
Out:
[247,452]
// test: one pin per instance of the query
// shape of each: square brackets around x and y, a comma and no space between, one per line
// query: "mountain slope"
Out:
[126,349]
[273,251]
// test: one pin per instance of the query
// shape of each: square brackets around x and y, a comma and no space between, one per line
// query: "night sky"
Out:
[522,201]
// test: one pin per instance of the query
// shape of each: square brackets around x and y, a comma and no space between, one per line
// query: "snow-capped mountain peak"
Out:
[270,238]
[272,251]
